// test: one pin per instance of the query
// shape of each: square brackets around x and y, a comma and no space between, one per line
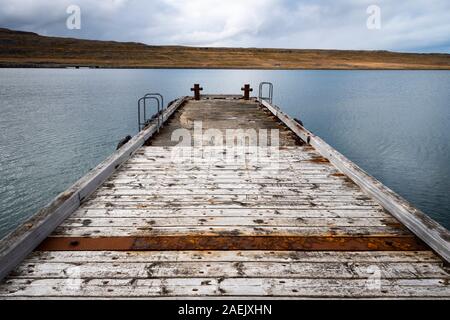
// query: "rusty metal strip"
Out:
[337,243]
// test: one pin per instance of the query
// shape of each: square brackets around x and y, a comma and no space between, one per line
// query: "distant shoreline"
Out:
[70,67]
[29,50]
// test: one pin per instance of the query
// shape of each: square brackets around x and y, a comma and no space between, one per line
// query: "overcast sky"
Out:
[413,25]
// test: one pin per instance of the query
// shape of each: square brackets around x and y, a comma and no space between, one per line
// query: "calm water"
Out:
[57,124]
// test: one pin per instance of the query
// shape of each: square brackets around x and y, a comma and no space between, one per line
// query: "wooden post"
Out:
[196,90]
[247,91]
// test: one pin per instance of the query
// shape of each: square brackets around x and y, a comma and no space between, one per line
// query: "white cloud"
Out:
[418,25]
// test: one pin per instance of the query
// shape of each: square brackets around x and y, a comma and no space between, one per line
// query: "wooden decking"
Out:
[288,225]
[222,114]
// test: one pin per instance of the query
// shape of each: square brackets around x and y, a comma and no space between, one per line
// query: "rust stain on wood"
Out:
[319,159]
[338,174]
[313,243]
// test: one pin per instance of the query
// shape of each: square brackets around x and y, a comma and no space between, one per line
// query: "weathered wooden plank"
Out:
[205,179]
[166,152]
[80,257]
[230,174]
[234,177]
[250,287]
[239,188]
[224,154]
[280,157]
[228,205]
[256,176]
[253,230]
[228,221]
[258,161]
[229,157]
[267,193]
[230,269]
[245,200]
[230,169]
[201,213]
[436,236]
[261,198]
[242,186]
[148,202]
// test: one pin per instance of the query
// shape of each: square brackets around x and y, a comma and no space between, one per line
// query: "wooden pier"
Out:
[303,223]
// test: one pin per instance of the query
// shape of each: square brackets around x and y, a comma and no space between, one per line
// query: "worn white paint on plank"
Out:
[224,153]
[247,199]
[228,221]
[134,195]
[252,287]
[229,187]
[313,163]
[238,188]
[227,205]
[211,152]
[270,172]
[221,155]
[111,202]
[241,182]
[205,179]
[233,256]
[231,205]
[314,160]
[271,167]
[256,230]
[231,172]
[222,174]
[255,213]
[232,177]
[241,178]
[178,192]
[229,269]
[272,186]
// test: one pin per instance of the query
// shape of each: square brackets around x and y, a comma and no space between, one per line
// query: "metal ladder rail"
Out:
[142,103]
[260,93]
[159,96]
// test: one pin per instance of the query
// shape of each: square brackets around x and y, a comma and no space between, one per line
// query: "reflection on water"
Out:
[56,124]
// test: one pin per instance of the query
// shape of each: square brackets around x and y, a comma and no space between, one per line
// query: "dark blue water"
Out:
[56,124]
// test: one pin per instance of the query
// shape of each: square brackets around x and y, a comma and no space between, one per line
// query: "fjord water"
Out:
[56,124]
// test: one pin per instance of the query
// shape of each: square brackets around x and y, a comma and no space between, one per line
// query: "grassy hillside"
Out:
[26,49]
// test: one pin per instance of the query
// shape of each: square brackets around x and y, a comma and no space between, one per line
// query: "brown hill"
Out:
[27,49]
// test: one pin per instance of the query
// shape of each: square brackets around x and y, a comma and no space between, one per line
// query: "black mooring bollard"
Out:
[196,90]
[247,91]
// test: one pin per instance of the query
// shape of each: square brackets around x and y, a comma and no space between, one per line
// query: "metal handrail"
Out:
[260,93]
[142,102]
[159,96]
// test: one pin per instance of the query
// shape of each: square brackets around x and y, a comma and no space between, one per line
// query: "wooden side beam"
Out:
[18,244]
[428,230]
